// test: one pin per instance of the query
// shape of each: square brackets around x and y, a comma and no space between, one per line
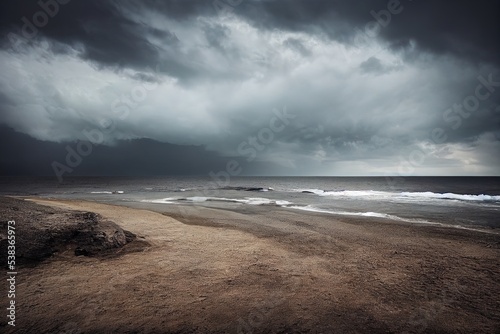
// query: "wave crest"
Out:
[371,194]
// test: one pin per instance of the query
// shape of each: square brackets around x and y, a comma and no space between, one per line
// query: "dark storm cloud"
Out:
[107,36]
[462,28]
[177,9]
[190,72]
[144,157]
[110,37]
[27,156]
[101,31]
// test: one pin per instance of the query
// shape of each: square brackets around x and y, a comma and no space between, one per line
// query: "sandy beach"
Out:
[263,270]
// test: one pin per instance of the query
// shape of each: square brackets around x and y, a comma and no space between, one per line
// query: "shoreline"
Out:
[264,269]
[173,209]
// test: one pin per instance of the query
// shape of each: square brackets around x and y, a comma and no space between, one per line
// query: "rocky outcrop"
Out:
[41,231]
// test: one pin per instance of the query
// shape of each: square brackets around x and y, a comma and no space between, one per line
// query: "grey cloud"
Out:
[297,45]
[372,64]
[375,65]
[219,76]
[147,77]
[216,34]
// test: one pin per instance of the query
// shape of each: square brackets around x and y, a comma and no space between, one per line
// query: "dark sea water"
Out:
[472,202]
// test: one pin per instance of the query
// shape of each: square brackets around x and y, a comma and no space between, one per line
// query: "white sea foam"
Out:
[168,200]
[247,200]
[255,201]
[421,196]
[387,216]
[480,198]
[250,201]
[107,192]
[265,201]
[199,199]
[362,214]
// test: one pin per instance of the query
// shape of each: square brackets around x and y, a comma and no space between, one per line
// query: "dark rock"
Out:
[254,189]
[80,251]
[42,231]
[247,188]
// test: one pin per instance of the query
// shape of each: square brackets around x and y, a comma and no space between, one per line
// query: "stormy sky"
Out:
[259,87]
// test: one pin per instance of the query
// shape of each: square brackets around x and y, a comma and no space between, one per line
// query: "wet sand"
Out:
[266,269]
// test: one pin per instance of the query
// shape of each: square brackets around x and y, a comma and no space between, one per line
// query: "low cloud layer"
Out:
[354,88]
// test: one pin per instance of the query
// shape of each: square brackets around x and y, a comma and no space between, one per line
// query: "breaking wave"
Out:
[422,196]
[199,199]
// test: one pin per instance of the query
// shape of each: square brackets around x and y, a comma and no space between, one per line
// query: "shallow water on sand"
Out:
[461,201]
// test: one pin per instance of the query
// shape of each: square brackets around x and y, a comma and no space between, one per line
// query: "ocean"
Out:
[462,202]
